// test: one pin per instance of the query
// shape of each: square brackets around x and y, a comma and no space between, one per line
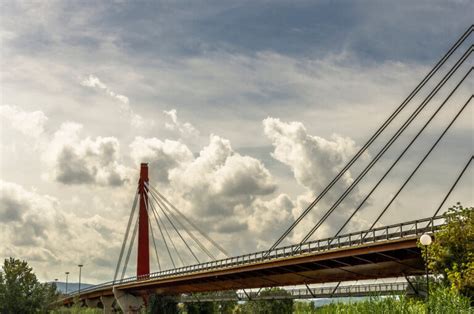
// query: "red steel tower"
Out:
[143,256]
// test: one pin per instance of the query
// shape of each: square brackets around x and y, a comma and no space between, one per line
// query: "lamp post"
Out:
[426,240]
[80,269]
[67,275]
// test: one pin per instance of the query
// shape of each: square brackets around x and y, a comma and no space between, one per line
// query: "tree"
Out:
[451,254]
[220,307]
[201,308]
[283,306]
[224,307]
[162,304]
[20,290]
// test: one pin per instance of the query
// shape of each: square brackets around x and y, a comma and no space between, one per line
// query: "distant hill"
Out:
[71,286]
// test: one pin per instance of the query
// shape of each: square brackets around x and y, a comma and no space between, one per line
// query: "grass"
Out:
[441,301]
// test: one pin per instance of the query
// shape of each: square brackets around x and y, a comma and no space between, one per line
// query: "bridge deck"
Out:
[389,251]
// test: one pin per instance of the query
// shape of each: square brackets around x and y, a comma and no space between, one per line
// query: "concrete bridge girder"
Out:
[128,302]
[92,302]
[108,304]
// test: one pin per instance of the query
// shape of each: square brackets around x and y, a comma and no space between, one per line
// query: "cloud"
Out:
[162,156]
[314,161]
[73,160]
[41,229]
[267,219]
[219,179]
[19,207]
[211,186]
[185,129]
[93,81]
[30,123]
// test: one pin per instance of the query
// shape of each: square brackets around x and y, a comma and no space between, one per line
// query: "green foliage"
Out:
[448,301]
[224,307]
[304,307]
[442,301]
[268,306]
[201,308]
[451,254]
[77,310]
[159,304]
[20,290]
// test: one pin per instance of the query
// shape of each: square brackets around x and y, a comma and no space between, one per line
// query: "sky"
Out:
[244,110]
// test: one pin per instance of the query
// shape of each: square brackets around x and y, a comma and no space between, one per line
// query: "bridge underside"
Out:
[378,260]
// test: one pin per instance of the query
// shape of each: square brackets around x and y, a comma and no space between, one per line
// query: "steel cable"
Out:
[401,155]
[201,246]
[453,186]
[421,162]
[375,135]
[203,234]
[127,231]
[390,142]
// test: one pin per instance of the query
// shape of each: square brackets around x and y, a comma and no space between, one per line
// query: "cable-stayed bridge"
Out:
[376,252]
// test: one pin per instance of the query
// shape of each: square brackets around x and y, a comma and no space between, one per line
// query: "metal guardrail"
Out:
[391,232]
[310,293]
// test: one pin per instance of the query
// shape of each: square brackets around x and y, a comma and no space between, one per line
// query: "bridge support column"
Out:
[92,302]
[108,303]
[128,302]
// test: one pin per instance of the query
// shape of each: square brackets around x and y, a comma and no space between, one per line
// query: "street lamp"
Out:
[67,275]
[80,268]
[426,240]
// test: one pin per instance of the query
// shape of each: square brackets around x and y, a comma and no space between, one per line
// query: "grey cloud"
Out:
[72,170]
[10,209]
[314,161]
[371,29]
[162,156]
[84,161]
[231,226]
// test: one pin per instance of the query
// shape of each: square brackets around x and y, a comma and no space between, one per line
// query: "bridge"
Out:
[383,252]
[376,252]
[338,291]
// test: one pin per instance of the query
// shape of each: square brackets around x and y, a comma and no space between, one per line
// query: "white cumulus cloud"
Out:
[93,81]
[210,187]
[37,227]
[185,129]
[73,160]
[314,161]
[162,156]
[30,123]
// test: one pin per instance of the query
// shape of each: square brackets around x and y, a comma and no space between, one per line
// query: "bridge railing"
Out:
[308,293]
[380,234]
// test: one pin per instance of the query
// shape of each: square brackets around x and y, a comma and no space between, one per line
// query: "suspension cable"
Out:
[453,186]
[421,162]
[390,142]
[157,219]
[201,246]
[134,234]
[202,233]
[177,231]
[154,243]
[375,135]
[168,234]
[127,231]
[402,154]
